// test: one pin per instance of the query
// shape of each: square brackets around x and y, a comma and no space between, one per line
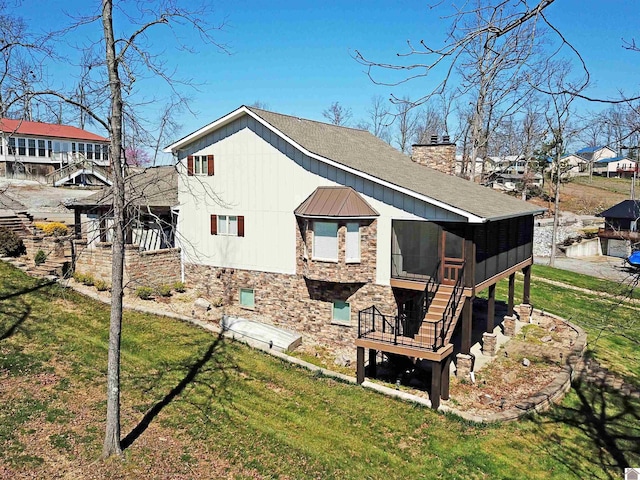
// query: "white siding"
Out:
[260,176]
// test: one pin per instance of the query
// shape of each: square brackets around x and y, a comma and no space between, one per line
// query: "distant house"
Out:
[621,232]
[620,166]
[57,154]
[330,232]
[510,182]
[574,165]
[593,154]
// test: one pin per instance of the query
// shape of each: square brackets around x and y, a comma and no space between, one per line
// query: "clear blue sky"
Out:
[296,57]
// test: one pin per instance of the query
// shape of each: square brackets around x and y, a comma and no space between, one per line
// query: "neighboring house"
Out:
[331,232]
[481,167]
[510,182]
[58,154]
[573,165]
[621,230]
[593,154]
[615,167]
[150,236]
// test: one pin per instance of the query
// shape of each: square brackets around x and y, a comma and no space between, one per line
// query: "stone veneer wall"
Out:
[363,271]
[149,268]
[52,246]
[3,169]
[439,156]
[291,301]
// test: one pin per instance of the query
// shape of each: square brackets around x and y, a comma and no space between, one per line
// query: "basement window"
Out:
[247,297]
[341,314]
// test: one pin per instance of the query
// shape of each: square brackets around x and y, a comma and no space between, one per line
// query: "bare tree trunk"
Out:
[111,444]
[556,214]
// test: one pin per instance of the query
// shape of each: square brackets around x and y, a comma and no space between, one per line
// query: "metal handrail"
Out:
[452,304]
[430,289]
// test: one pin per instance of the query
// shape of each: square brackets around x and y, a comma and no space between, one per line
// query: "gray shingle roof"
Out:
[363,151]
[153,187]
[629,209]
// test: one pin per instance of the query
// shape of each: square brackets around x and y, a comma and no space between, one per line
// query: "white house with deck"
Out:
[57,154]
[331,232]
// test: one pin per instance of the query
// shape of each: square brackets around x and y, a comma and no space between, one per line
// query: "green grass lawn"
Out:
[615,185]
[197,406]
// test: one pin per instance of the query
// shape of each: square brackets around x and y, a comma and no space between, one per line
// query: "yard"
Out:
[197,406]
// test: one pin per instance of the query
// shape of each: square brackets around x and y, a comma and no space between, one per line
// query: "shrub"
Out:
[40,257]
[78,277]
[144,293]
[88,280]
[164,290]
[52,229]
[101,285]
[179,287]
[10,243]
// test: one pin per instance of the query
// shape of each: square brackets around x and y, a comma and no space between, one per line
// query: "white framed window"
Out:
[341,313]
[200,166]
[325,241]
[32,147]
[247,298]
[352,243]
[22,146]
[11,149]
[228,225]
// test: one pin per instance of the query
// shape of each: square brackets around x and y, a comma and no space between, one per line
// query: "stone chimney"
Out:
[439,154]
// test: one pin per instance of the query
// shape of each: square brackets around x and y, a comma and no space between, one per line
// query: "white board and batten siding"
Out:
[264,178]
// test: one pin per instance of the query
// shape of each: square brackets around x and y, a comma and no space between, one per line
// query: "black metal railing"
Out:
[398,329]
[431,288]
[452,306]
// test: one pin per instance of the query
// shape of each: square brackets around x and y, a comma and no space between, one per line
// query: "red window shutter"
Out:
[241,225]
[190,165]
[214,224]
[210,165]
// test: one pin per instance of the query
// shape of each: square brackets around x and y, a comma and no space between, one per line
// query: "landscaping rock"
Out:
[546,339]
[526,362]
[202,304]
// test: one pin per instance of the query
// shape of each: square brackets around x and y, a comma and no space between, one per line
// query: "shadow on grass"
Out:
[210,361]
[13,308]
[608,420]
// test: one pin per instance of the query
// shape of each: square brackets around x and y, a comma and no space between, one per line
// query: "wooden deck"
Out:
[410,347]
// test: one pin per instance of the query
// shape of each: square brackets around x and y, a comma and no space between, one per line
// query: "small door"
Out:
[452,257]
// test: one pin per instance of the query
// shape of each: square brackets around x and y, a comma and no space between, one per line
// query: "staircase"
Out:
[52,268]
[18,223]
[442,316]
[82,167]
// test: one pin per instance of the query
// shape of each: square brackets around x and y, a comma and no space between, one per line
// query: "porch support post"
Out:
[77,223]
[372,362]
[360,365]
[436,377]
[526,291]
[491,308]
[512,286]
[467,325]
[444,378]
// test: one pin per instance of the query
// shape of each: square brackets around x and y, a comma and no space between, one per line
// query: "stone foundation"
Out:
[292,301]
[524,309]
[464,366]
[509,326]
[489,344]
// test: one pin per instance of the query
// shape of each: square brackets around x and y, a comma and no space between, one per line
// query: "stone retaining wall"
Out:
[148,268]
[292,301]
[52,246]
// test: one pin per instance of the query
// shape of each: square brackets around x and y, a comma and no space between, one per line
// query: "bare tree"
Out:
[406,120]
[337,114]
[115,66]
[379,118]
[558,115]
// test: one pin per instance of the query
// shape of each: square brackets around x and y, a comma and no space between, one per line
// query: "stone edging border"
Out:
[545,398]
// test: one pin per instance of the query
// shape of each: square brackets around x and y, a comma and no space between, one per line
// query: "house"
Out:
[620,166]
[58,154]
[509,182]
[151,256]
[593,154]
[621,228]
[330,232]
